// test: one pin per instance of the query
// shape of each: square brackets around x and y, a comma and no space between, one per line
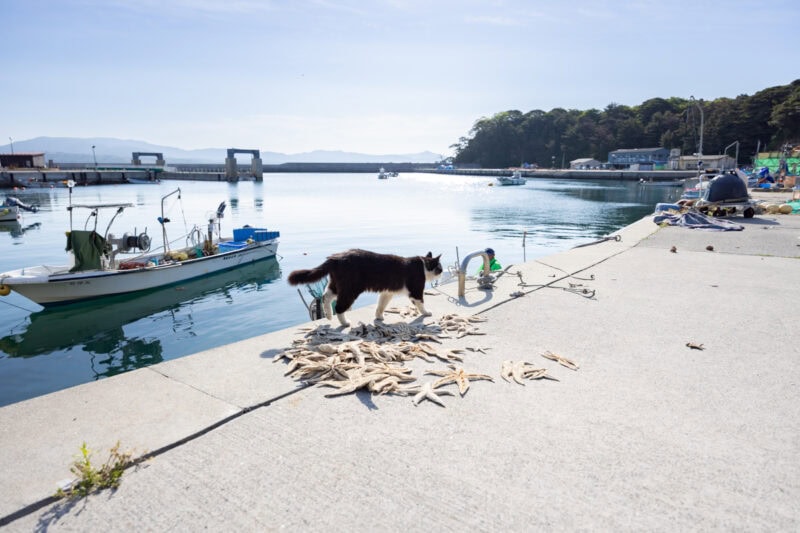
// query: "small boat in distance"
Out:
[11,208]
[384,174]
[662,183]
[97,268]
[143,181]
[514,179]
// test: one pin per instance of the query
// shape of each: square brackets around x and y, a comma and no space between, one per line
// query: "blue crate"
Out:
[242,234]
[257,234]
[230,246]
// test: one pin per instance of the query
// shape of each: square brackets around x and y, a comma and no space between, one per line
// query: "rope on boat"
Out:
[17,306]
[195,237]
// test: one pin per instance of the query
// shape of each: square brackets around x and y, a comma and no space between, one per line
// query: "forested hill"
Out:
[771,117]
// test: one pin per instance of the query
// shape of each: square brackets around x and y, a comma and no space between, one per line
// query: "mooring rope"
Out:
[616,238]
[18,307]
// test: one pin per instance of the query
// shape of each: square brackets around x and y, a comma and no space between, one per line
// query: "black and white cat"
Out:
[356,271]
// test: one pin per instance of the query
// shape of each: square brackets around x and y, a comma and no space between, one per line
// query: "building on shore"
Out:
[22,160]
[585,163]
[642,158]
[719,162]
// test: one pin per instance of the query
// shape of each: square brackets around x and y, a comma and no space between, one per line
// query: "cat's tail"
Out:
[308,276]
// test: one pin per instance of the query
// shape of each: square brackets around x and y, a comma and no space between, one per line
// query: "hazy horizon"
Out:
[395,76]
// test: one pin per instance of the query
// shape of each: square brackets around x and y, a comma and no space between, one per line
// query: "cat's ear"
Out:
[429,256]
[438,257]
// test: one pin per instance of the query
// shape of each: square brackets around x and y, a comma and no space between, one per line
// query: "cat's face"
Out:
[433,267]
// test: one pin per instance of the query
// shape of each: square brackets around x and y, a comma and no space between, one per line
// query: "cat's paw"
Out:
[426,313]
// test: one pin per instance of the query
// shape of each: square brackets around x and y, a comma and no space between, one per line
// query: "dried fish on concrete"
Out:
[519,371]
[459,376]
[561,360]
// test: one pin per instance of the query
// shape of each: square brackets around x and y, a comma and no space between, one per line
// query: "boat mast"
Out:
[163,220]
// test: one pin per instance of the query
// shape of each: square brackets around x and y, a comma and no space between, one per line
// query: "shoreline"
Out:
[647,428]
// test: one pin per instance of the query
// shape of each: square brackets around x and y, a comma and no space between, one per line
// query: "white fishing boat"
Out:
[106,265]
[514,179]
[12,207]
[52,328]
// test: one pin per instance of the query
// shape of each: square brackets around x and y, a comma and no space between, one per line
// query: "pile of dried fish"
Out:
[372,357]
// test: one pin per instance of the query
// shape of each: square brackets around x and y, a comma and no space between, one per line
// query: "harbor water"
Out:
[42,351]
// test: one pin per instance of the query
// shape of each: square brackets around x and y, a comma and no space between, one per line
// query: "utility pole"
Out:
[700,147]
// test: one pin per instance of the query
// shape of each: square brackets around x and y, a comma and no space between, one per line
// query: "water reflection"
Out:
[99,328]
[16,229]
[565,210]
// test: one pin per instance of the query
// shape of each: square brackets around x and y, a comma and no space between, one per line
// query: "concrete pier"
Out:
[48,178]
[648,434]
[555,173]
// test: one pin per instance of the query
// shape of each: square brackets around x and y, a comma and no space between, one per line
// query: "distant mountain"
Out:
[109,150]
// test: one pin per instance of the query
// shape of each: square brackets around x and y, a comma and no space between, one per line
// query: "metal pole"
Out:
[524,254]
[758,149]
[700,147]
[725,152]
[12,145]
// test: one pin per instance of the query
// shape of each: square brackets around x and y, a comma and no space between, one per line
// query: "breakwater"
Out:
[50,178]
[555,173]
[55,177]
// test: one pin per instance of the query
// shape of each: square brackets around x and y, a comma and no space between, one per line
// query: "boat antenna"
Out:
[120,209]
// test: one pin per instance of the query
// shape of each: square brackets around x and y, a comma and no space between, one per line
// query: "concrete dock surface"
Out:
[647,434]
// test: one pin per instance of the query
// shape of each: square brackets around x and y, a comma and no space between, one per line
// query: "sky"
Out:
[366,76]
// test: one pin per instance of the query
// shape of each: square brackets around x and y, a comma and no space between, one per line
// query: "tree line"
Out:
[767,121]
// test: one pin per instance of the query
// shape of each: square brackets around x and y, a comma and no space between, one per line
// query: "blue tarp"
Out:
[695,220]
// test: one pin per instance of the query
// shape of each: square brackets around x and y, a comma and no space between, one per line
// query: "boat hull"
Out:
[9,214]
[505,182]
[61,327]
[49,289]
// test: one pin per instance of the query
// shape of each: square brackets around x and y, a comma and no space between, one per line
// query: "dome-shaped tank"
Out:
[726,188]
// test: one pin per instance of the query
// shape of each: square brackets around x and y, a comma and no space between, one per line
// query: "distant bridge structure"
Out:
[256,166]
[136,157]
